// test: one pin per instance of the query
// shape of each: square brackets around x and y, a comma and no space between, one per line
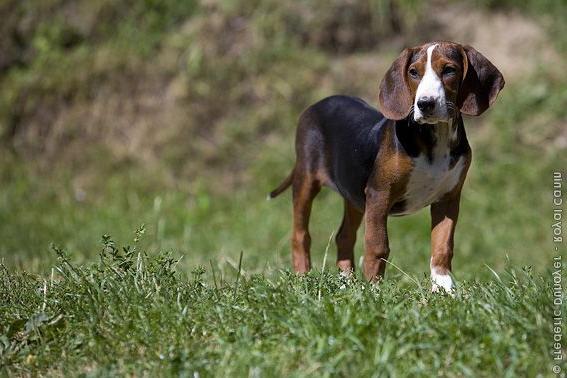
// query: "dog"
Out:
[412,154]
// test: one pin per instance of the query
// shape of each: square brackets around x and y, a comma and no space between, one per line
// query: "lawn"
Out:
[132,313]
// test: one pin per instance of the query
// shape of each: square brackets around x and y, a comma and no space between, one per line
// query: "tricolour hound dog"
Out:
[412,154]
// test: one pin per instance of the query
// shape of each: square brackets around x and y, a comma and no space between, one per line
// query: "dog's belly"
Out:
[428,183]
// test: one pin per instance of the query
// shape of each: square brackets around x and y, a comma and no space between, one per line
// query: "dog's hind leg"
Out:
[346,237]
[305,187]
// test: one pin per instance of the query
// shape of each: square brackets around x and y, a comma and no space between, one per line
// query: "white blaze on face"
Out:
[431,86]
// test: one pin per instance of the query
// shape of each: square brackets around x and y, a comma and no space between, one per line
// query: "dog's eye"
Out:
[413,73]
[448,70]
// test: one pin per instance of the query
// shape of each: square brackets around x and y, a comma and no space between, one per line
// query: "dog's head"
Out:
[438,80]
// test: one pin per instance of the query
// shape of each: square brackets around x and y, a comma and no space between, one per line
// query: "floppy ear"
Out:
[481,83]
[395,99]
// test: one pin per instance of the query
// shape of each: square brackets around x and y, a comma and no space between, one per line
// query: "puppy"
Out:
[412,154]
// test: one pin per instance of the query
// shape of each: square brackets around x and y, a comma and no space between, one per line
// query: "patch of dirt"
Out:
[514,43]
[518,46]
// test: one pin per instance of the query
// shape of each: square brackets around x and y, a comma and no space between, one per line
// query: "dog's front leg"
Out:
[444,216]
[376,244]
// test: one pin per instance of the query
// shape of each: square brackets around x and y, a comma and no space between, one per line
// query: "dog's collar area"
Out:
[429,139]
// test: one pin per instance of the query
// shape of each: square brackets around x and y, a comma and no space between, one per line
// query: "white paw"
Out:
[441,281]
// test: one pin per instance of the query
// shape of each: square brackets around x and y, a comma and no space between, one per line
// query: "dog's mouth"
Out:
[428,120]
[431,119]
[443,115]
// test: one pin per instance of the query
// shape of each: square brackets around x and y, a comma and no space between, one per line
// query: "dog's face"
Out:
[434,82]
[434,77]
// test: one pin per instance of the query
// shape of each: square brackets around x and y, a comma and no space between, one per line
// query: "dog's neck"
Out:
[445,134]
[430,139]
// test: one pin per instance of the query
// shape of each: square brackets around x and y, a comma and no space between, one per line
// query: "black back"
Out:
[351,131]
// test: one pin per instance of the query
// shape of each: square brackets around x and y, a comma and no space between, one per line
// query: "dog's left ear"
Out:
[481,83]
[395,98]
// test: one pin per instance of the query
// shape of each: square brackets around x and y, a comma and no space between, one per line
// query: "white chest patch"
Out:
[430,180]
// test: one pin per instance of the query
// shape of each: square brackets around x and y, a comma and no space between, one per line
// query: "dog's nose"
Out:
[426,104]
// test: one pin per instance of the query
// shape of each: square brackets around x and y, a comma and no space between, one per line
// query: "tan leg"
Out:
[346,237]
[376,248]
[304,191]
[443,222]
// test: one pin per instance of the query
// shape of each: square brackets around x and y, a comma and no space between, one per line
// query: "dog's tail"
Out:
[283,186]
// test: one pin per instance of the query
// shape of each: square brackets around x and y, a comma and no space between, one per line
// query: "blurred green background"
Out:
[181,115]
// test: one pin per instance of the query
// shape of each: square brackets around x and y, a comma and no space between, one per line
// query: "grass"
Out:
[133,313]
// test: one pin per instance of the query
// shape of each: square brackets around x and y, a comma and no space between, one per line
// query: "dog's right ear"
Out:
[395,98]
